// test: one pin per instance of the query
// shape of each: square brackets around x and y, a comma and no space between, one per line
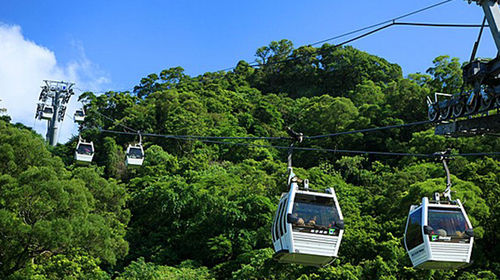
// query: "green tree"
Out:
[45,209]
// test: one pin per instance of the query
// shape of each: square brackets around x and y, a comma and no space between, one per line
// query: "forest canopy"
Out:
[201,210]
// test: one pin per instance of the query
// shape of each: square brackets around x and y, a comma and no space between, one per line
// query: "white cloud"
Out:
[23,67]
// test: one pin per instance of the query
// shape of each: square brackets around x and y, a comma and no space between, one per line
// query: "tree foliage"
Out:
[200,210]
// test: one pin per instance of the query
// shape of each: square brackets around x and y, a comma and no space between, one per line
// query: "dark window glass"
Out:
[448,225]
[283,219]
[79,113]
[135,153]
[414,230]
[278,223]
[84,149]
[273,230]
[316,214]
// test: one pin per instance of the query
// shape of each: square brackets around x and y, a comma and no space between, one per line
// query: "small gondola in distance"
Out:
[47,112]
[135,155]
[84,152]
[79,115]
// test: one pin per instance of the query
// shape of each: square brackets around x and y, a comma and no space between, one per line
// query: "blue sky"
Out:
[116,43]
[130,39]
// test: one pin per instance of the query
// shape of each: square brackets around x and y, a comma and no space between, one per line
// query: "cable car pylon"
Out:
[438,232]
[308,225]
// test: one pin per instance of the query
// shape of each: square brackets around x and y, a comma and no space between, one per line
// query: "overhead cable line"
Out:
[430,24]
[385,23]
[390,24]
[368,129]
[195,137]
[267,146]
[105,91]
[382,23]
[340,151]
[116,122]
[273,138]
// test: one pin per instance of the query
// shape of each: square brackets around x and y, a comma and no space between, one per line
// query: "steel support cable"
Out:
[386,23]
[116,122]
[197,137]
[389,24]
[268,146]
[425,24]
[335,46]
[340,151]
[382,23]
[476,154]
[109,118]
[106,91]
[269,137]
[368,129]
[276,138]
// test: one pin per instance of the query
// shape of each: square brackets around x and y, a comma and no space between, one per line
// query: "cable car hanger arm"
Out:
[444,157]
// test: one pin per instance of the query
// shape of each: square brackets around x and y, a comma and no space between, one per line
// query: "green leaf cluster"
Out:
[200,210]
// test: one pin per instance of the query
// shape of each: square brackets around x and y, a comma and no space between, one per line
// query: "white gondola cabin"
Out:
[438,235]
[308,225]
[135,155]
[79,115]
[47,112]
[84,152]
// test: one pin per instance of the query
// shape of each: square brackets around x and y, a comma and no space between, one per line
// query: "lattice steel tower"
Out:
[52,106]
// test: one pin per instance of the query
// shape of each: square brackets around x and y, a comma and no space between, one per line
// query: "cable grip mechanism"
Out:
[295,137]
[444,157]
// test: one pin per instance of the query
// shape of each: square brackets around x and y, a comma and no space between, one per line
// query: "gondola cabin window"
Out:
[414,231]
[48,110]
[135,153]
[277,230]
[315,214]
[448,225]
[85,149]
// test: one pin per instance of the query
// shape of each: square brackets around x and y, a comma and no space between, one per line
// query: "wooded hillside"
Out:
[201,210]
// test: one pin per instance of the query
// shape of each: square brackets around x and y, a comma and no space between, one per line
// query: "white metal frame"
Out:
[438,255]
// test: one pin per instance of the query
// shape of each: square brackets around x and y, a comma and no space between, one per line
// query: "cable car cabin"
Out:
[84,152]
[308,226]
[48,112]
[438,235]
[79,115]
[135,155]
